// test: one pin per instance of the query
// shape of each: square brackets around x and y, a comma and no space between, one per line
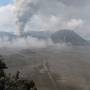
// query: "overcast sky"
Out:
[51,15]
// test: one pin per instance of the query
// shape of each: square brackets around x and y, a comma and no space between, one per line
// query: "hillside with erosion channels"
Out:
[69,37]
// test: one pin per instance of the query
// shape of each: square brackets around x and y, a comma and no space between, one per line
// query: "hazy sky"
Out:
[50,15]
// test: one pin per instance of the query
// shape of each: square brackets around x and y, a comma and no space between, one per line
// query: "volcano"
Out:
[68,37]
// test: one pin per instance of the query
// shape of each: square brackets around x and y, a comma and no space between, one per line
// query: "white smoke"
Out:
[29,42]
[44,15]
[24,11]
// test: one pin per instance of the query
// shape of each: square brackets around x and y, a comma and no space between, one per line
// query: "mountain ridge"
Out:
[69,37]
[60,36]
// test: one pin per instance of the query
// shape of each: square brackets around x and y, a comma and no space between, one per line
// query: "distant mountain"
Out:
[38,34]
[9,36]
[62,36]
[69,37]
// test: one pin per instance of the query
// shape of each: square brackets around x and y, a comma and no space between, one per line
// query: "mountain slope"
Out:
[69,37]
[9,36]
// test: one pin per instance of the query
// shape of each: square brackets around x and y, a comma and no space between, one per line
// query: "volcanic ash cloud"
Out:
[24,11]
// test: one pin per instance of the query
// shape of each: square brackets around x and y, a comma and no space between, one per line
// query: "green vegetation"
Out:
[9,82]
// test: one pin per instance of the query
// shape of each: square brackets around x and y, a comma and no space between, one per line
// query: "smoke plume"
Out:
[24,12]
[45,15]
